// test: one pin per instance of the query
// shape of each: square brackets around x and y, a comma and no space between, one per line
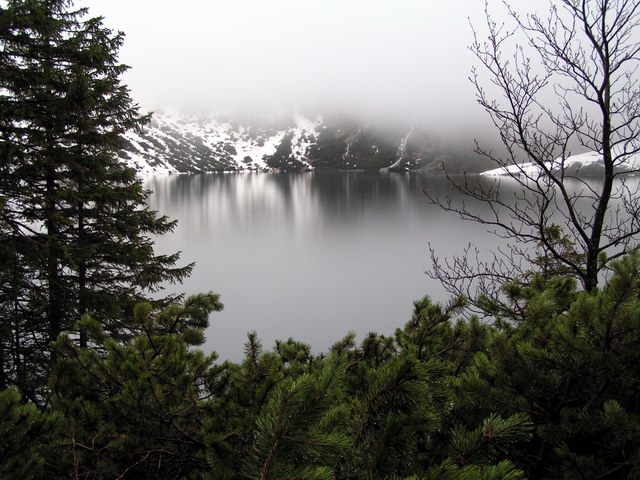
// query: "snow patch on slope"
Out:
[199,143]
[304,136]
[574,162]
[258,150]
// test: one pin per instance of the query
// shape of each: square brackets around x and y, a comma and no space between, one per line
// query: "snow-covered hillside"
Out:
[174,143]
[583,164]
[178,143]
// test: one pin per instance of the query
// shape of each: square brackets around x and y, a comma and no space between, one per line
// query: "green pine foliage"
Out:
[25,434]
[392,417]
[136,409]
[448,471]
[296,434]
[548,393]
[490,441]
[572,367]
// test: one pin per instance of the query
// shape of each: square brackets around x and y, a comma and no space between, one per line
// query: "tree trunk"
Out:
[54,314]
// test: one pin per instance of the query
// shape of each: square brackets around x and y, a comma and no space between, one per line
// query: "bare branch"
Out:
[551,84]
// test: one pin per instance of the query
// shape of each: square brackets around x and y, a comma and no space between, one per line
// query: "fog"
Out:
[392,59]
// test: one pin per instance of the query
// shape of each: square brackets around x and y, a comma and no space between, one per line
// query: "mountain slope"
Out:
[196,144]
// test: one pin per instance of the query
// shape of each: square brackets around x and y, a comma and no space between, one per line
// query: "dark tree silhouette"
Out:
[76,233]
[554,85]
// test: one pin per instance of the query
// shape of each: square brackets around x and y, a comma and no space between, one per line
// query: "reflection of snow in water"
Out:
[245,200]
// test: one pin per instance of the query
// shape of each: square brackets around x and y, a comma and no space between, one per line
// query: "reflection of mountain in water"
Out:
[317,198]
[324,199]
[313,255]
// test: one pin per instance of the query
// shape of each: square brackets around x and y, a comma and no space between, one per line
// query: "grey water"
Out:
[310,255]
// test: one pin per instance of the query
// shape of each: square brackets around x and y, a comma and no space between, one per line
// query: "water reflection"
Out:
[308,255]
[326,200]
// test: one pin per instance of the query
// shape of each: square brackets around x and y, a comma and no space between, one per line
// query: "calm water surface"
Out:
[309,256]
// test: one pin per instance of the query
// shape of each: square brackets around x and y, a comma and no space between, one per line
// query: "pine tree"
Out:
[570,363]
[288,387]
[75,224]
[296,434]
[137,408]
[392,417]
[24,433]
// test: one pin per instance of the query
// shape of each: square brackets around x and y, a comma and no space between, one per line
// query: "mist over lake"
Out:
[309,255]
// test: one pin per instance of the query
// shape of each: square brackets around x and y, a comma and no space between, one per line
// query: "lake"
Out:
[310,255]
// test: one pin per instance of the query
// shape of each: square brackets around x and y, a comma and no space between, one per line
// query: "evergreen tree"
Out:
[25,433]
[138,409]
[75,227]
[571,365]
[297,434]
[392,418]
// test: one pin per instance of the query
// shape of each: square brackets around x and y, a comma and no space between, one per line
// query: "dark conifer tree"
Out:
[75,226]
[26,433]
[136,408]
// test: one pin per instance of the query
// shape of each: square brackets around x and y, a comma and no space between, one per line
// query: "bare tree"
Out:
[555,85]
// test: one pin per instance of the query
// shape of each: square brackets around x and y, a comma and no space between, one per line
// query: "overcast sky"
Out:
[401,58]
